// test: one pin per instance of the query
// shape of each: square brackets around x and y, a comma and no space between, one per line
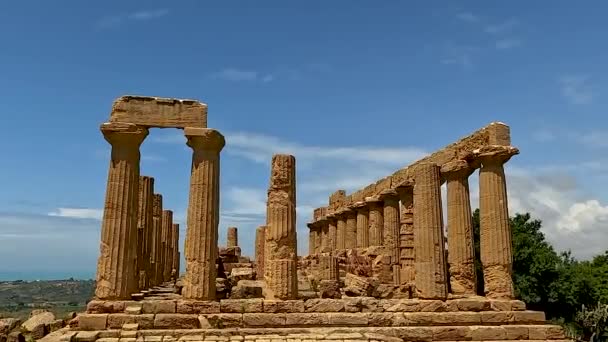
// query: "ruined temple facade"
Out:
[377,268]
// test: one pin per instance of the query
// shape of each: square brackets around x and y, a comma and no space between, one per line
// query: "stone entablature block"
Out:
[161,112]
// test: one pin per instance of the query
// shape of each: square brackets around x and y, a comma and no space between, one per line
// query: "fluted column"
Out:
[376,221]
[117,263]
[175,250]
[311,238]
[144,230]
[495,229]
[260,241]
[324,233]
[362,224]
[332,235]
[431,280]
[167,258]
[232,239]
[351,229]
[461,248]
[317,237]
[328,265]
[155,253]
[281,235]
[406,234]
[203,213]
[340,230]
[390,231]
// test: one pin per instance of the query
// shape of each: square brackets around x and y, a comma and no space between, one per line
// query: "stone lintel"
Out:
[159,112]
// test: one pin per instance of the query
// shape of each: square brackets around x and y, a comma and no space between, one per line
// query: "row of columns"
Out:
[413,236]
[139,241]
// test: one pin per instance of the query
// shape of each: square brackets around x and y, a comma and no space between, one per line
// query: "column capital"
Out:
[204,139]
[349,211]
[495,154]
[373,201]
[389,195]
[123,133]
[457,169]
[405,186]
[360,206]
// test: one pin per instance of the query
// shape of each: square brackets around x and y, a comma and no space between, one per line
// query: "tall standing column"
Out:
[156,254]
[376,221]
[175,250]
[406,234]
[362,224]
[144,230]
[461,249]
[232,239]
[281,235]
[431,280]
[495,230]
[203,213]
[311,238]
[260,241]
[324,234]
[332,232]
[351,229]
[116,266]
[340,230]
[390,232]
[167,257]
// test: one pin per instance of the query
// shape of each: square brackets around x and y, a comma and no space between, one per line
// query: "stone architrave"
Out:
[376,221]
[340,230]
[167,256]
[406,234]
[281,240]
[461,249]
[390,232]
[431,280]
[203,213]
[117,263]
[144,230]
[362,224]
[260,241]
[155,254]
[332,232]
[495,230]
[350,241]
[232,239]
[175,249]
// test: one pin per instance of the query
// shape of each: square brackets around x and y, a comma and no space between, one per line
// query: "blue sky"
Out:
[355,89]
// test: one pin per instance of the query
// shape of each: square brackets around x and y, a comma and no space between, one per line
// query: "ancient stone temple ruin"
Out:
[383,263]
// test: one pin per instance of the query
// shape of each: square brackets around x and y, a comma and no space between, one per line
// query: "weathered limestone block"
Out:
[117,321]
[92,321]
[345,319]
[158,306]
[350,240]
[241,305]
[246,289]
[461,249]
[159,112]
[306,319]
[376,220]
[362,224]
[431,280]
[281,243]
[176,321]
[109,306]
[495,229]
[241,273]
[357,286]
[232,239]
[283,306]
[144,230]
[264,319]
[260,241]
[197,307]
[203,213]
[117,264]
[329,289]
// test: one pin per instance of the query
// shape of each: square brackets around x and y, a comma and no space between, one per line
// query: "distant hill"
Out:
[18,298]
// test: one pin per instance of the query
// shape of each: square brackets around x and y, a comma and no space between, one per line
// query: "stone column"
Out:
[144,230]
[317,237]
[340,230]
[156,255]
[260,241]
[175,249]
[461,249]
[281,235]
[116,266]
[431,280]
[390,232]
[362,224]
[167,257]
[332,232]
[351,229]
[232,239]
[406,234]
[376,222]
[495,229]
[328,265]
[311,238]
[324,233]
[203,213]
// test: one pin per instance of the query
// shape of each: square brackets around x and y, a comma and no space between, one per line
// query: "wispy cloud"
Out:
[461,55]
[508,43]
[81,213]
[501,28]
[116,20]
[236,75]
[467,17]
[576,89]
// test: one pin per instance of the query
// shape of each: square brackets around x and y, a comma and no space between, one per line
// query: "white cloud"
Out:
[116,20]
[467,17]
[508,43]
[236,75]
[148,14]
[575,88]
[461,55]
[502,27]
[83,213]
